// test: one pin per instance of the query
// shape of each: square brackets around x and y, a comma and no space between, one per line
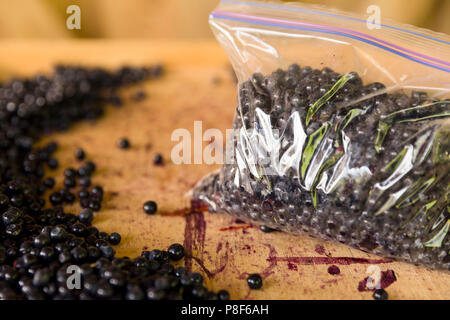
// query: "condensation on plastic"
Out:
[262,37]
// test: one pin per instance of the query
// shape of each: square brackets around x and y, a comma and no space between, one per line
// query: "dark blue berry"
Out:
[158,159]
[176,252]
[114,238]
[150,207]
[254,281]
[380,294]
[123,143]
[80,154]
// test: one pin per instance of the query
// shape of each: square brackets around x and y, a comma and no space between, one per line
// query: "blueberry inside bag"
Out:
[341,130]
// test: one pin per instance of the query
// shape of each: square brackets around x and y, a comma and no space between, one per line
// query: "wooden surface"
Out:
[198,85]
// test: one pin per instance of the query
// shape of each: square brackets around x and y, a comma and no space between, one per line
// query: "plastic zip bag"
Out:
[341,130]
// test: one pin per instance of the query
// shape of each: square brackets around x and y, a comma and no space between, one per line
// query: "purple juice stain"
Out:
[334,270]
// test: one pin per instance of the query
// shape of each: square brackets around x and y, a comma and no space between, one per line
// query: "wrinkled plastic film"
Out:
[334,136]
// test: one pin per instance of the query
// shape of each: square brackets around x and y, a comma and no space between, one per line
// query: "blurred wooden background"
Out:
[176,18]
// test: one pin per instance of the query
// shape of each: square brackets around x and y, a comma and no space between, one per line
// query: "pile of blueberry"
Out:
[322,153]
[39,241]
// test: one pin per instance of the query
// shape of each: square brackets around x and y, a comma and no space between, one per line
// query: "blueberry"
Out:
[104,289]
[254,281]
[41,240]
[198,292]
[70,182]
[176,252]
[80,154]
[4,201]
[13,230]
[135,293]
[49,183]
[196,278]
[114,238]
[70,173]
[79,254]
[223,295]
[11,216]
[158,159]
[94,253]
[97,191]
[64,257]
[78,229]
[266,229]
[180,271]
[47,253]
[86,216]
[56,198]
[103,235]
[41,277]
[53,163]
[380,294]
[139,95]
[155,294]
[107,251]
[84,182]
[150,207]
[123,143]
[58,234]
[95,205]
[83,194]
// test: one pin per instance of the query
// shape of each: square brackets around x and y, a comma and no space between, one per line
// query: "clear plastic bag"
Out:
[341,130]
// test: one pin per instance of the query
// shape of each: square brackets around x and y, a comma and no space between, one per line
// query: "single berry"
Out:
[56,198]
[266,229]
[95,205]
[380,294]
[138,95]
[97,191]
[114,238]
[79,253]
[254,281]
[84,182]
[83,194]
[53,163]
[180,271]
[49,183]
[196,278]
[223,295]
[158,159]
[123,143]
[80,154]
[70,173]
[176,252]
[150,207]
[70,182]
[107,251]
[86,216]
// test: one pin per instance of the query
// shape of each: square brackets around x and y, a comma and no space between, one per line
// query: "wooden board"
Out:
[198,85]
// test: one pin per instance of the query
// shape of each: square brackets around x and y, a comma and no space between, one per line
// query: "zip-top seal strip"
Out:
[344,30]
[324,29]
[275,6]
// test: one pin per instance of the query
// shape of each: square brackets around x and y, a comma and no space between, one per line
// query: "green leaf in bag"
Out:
[352,114]
[439,237]
[414,114]
[418,187]
[313,141]
[328,95]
